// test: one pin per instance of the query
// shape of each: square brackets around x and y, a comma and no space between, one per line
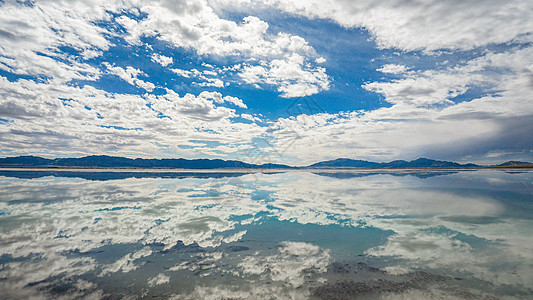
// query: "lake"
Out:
[294,235]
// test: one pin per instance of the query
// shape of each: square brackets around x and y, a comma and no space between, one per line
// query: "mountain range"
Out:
[514,163]
[104,161]
[396,164]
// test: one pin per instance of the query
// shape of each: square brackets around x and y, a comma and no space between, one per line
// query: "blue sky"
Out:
[267,81]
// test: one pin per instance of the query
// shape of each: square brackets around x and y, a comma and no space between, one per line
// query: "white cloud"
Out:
[183,73]
[215,82]
[251,118]
[392,69]
[235,101]
[217,98]
[290,75]
[75,121]
[209,78]
[33,34]
[424,119]
[130,75]
[429,25]
[162,60]
[202,30]
[423,116]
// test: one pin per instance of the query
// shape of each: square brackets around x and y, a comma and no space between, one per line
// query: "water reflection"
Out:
[107,175]
[291,235]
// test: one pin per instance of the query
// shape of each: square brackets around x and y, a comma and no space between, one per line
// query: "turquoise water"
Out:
[295,235]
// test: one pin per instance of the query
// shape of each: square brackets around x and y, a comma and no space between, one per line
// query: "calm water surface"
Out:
[296,235]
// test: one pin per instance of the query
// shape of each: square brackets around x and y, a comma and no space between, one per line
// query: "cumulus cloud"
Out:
[202,30]
[290,75]
[130,75]
[162,60]
[46,56]
[392,69]
[431,25]
[425,102]
[250,117]
[32,36]
[425,118]
[185,73]
[81,120]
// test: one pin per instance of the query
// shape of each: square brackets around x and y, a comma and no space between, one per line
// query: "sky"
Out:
[292,82]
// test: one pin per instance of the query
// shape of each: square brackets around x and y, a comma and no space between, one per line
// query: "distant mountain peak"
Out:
[515,163]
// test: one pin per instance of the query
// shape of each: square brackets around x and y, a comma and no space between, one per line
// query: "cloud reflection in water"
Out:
[167,236]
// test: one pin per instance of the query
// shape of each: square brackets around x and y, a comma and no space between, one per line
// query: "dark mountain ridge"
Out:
[396,164]
[104,161]
[514,163]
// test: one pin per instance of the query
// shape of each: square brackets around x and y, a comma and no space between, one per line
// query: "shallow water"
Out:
[297,235]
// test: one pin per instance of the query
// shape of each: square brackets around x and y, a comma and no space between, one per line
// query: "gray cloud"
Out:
[513,134]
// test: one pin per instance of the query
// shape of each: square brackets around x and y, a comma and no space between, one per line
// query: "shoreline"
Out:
[252,170]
